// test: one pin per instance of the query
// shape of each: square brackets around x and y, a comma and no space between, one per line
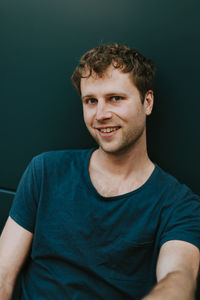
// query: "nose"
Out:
[102,111]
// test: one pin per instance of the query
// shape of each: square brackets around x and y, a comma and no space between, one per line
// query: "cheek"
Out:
[134,115]
[122,112]
[87,116]
[127,113]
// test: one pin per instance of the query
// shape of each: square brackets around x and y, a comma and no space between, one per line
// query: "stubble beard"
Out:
[128,141]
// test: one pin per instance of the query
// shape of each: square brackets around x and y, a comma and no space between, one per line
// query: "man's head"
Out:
[127,60]
[115,84]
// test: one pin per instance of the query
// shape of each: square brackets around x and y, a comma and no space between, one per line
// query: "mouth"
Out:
[108,131]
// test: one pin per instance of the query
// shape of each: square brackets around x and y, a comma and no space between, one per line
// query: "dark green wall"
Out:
[41,42]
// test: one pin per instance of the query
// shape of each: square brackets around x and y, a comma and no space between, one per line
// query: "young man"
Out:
[104,223]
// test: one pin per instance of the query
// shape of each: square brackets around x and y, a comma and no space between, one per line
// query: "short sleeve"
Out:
[24,206]
[182,218]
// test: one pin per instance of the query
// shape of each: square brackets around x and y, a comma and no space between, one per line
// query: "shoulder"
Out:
[176,199]
[180,212]
[173,188]
[58,159]
[57,156]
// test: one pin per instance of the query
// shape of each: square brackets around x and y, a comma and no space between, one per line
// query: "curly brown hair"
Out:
[122,57]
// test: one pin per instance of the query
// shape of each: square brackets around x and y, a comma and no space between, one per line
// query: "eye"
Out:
[91,100]
[116,98]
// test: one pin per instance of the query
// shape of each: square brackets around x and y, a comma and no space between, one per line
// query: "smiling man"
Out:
[104,223]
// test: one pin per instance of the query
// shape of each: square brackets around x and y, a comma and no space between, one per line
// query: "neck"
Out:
[132,160]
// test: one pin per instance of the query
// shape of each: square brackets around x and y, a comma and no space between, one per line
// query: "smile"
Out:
[108,129]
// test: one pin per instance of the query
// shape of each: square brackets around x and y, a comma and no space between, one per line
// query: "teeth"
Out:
[108,129]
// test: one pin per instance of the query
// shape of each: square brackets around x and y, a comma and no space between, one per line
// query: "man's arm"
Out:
[15,243]
[177,270]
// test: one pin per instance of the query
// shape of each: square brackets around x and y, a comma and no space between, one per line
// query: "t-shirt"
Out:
[89,247]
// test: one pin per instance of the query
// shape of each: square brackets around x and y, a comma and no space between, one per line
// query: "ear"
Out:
[148,102]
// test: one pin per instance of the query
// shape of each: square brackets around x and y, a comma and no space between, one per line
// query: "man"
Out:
[104,223]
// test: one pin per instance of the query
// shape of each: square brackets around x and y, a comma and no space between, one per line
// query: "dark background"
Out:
[41,42]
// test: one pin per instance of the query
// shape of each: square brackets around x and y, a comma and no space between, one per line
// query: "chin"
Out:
[113,149]
[119,148]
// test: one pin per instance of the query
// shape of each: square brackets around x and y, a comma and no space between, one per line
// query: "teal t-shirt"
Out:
[89,247]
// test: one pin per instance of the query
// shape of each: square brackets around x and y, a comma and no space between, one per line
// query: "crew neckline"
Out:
[117,197]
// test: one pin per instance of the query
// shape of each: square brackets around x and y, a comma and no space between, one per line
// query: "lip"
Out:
[107,126]
[107,134]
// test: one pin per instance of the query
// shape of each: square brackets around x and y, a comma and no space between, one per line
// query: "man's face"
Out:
[113,111]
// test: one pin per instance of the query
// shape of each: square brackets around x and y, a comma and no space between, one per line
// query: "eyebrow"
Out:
[87,96]
[107,95]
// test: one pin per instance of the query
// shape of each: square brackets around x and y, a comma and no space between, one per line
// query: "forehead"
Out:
[110,81]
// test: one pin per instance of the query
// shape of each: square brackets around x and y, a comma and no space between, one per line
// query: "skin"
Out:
[177,270]
[15,244]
